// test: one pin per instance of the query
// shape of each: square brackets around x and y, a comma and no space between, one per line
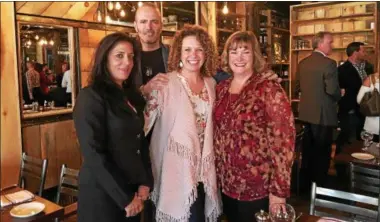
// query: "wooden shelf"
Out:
[337,33]
[276,28]
[340,48]
[277,64]
[225,30]
[230,14]
[296,100]
[337,17]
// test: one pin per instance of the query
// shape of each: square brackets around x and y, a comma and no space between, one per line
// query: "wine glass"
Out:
[367,137]
[282,212]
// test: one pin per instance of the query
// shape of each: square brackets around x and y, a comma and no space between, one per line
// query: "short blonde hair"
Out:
[211,60]
[239,38]
[318,38]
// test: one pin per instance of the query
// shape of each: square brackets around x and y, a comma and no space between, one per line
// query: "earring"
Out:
[180,64]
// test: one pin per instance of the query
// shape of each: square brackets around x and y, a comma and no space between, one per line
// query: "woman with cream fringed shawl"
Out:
[181,147]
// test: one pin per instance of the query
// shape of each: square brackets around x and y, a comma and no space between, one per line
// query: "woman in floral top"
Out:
[254,133]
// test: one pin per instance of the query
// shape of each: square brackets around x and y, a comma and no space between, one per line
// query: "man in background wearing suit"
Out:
[318,109]
[351,75]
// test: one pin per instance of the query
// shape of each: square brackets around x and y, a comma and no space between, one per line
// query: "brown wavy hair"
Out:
[243,37]
[211,60]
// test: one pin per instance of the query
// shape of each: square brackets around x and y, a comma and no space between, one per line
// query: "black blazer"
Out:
[349,79]
[319,90]
[116,156]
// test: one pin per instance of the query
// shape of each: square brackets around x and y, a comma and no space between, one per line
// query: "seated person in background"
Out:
[371,123]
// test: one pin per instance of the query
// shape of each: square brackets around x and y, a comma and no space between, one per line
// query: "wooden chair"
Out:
[68,186]
[33,168]
[365,179]
[352,212]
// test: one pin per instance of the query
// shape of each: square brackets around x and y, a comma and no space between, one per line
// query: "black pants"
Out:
[243,211]
[316,154]
[351,125]
[197,210]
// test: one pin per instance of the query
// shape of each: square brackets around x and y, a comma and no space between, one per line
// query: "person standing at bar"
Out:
[318,109]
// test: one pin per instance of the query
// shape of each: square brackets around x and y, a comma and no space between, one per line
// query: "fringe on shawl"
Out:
[182,151]
[185,152]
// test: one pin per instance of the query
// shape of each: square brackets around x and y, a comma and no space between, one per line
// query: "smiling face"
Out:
[120,61]
[192,54]
[148,25]
[240,58]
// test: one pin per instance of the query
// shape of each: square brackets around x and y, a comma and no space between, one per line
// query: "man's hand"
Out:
[143,192]
[135,207]
[157,83]
[270,75]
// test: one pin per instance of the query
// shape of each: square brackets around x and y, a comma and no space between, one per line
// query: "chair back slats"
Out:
[347,196]
[32,160]
[32,167]
[346,208]
[324,198]
[364,178]
[325,214]
[365,187]
[365,170]
[68,183]
[71,172]
[69,191]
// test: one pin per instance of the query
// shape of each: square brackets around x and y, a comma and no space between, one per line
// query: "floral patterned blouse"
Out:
[254,138]
[200,102]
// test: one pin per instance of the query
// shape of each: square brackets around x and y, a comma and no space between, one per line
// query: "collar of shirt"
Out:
[316,50]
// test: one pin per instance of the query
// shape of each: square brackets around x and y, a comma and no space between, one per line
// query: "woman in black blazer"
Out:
[116,174]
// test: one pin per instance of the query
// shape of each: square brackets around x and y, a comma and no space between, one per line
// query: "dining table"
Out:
[345,156]
[50,212]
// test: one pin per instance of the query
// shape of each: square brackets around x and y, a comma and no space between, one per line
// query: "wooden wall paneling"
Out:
[10,132]
[89,16]
[58,9]
[84,78]
[66,140]
[78,10]
[19,5]
[34,8]
[83,37]
[31,141]
[48,150]
[95,36]
[86,57]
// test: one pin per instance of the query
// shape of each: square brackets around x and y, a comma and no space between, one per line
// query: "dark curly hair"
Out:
[211,60]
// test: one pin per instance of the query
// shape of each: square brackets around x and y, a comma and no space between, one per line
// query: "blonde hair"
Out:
[239,38]
[210,65]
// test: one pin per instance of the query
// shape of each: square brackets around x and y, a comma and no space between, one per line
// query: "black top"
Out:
[350,80]
[152,63]
[115,151]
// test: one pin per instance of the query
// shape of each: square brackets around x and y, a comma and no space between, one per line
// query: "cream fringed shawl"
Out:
[176,154]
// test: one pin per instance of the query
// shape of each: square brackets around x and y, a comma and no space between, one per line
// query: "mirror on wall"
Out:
[46,69]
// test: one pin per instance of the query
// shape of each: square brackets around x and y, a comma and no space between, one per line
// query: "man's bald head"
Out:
[148,25]
[147,5]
